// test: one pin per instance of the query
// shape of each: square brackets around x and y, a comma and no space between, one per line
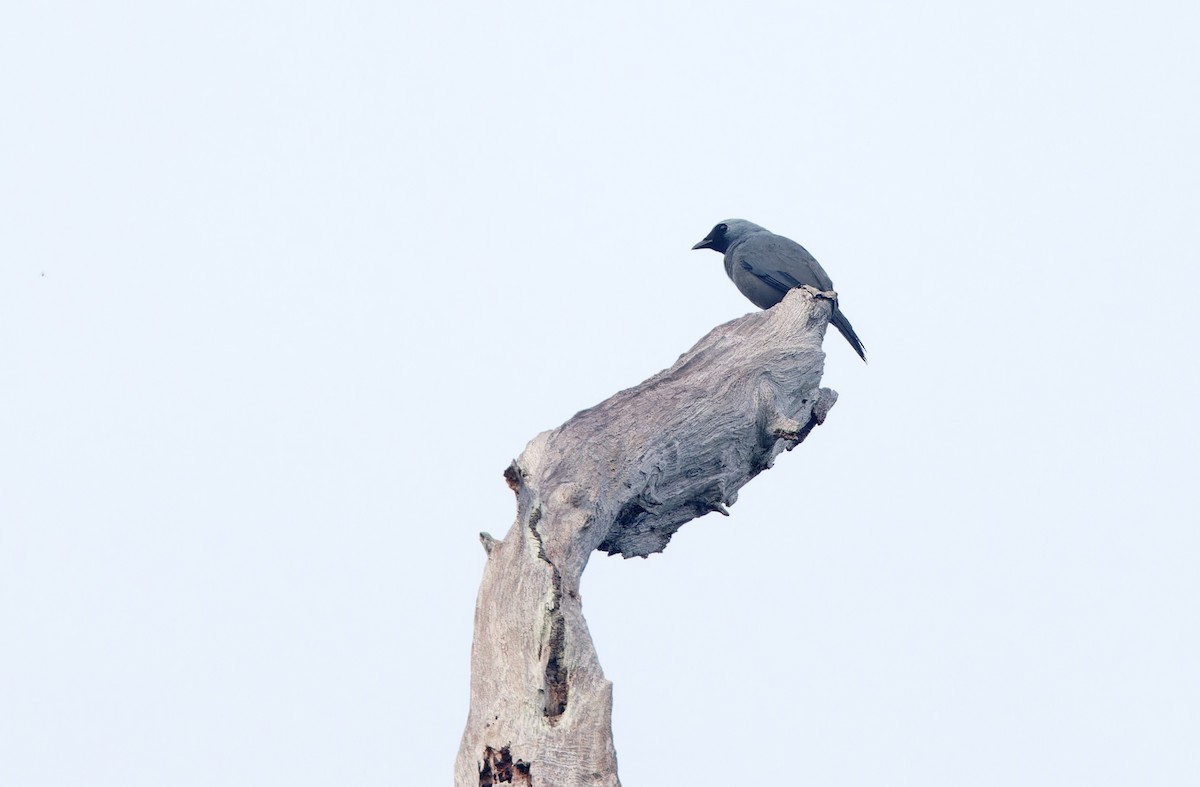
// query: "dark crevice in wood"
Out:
[500,768]
[556,666]
[535,516]
[512,477]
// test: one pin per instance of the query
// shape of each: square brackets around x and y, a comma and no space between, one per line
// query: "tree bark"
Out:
[621,477]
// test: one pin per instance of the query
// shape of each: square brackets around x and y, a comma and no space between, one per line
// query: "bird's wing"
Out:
[768,277]
[780,263]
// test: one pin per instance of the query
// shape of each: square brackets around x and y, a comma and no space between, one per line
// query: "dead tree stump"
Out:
[621,477]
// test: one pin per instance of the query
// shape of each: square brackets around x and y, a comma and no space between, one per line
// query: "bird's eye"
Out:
[722,227]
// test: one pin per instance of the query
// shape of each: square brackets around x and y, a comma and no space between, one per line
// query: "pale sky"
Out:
[285,286]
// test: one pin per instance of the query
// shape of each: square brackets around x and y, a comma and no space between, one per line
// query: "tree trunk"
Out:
[621,477]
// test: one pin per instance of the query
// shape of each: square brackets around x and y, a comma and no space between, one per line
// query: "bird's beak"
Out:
[704,244]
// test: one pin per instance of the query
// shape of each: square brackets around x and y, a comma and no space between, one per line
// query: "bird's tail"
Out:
[843,325]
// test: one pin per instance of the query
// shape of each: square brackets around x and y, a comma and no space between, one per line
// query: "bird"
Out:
[765,266]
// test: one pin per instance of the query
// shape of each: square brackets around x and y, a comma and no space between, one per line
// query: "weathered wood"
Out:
[622,477]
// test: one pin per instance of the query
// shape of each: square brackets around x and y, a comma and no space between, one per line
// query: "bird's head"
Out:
[726,234]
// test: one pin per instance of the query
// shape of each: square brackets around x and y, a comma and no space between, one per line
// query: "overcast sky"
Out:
[284,286]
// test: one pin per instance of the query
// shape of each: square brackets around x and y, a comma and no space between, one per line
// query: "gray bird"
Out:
[764,266]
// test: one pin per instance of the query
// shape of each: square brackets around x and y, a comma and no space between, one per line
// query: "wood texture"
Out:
[621,477]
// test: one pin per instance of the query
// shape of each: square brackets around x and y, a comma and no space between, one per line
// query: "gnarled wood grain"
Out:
[622,477]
